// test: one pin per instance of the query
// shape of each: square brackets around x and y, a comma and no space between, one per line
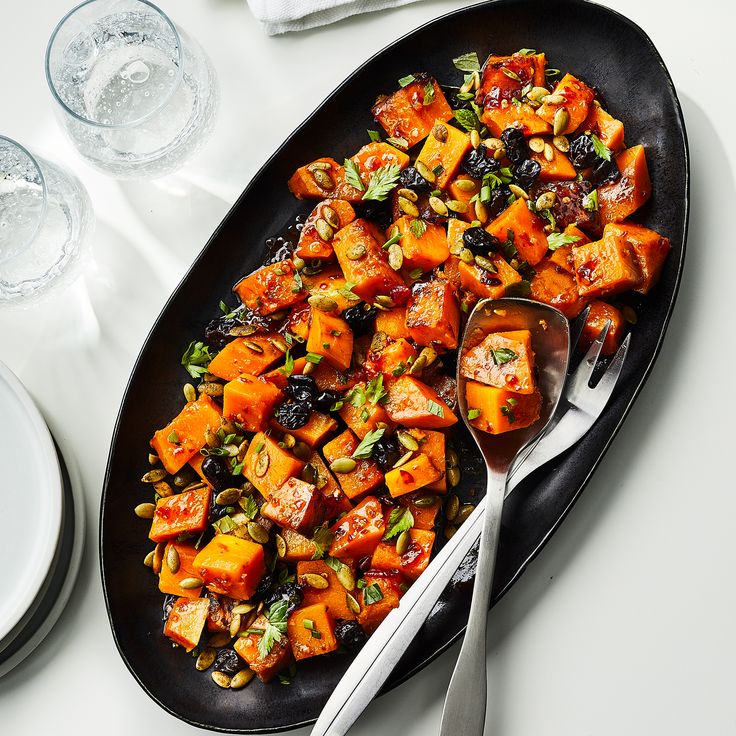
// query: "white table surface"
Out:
[625,624]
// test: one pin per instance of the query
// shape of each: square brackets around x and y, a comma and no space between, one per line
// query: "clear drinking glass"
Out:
[45,218]
[136,95]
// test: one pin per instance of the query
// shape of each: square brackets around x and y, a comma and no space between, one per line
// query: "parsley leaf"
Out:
[352,175]
[374,135]
[503,355]
[365,448]
[467,62]
[467,118]
[601,150]
[250,507]
[357,397]
[347,292]
[558,240]
[473,413]
[224,525]
[382,182]
[196,359]
[428,94]
[434,408]
[288,368]
[375,391]
[276,626]
[418,228]
[321,541]
[590,201]
[401,520]
[372,594]
[407,80]
[334,564]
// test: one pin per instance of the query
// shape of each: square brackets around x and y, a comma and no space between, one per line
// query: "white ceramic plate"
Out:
[30,498]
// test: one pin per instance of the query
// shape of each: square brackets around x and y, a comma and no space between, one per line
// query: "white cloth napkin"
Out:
[282,16]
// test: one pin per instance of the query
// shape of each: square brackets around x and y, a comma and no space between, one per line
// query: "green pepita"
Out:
[403,459]
[465,510]
[322,303]
[536,144]
[235,623]
[301,449]
[409,194]
[154,476]
[549,152]
[264,460]
[474,138]
[330,217]
[440,132]
[438,206]
[466,185]
[220,639]
[425,501]
[345,576]
[313,580]
[407,440]
[452,506]
[241,679]
[466,255]
[242,330]
[228,497]
[221,679]
[252,345]
[145,510]
[355,252]
[485,264]
[402,543]
[158,558]
[424,171]
[561,143]
[518,191]
[257,532]
[546,200]
[560,121]
[163,489]
[343,465]
[455,205]
[172,560]
[148,559]
[324,229]
[243,608]
[205,659]
[190,393]
[353,604]
[395,256]
[452,458]
[453,476]
[481,212]
[322,179]
[553,99]
[280,546]
[450,532]
[408,207]
[191,583]
[214,390]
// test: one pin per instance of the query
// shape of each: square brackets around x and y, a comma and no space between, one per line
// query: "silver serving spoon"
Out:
[465,704]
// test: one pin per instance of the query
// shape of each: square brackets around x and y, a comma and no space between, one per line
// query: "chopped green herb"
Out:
[400,369]
[357,397]
[334,564]
[473,413]
[415,273]
[365,448]
[316,634]
[226,311]
[375,390]
[400,520]
[407,80]
[347,292]
[590,201]
[382,182]
[601,150]
[352,175]
[337,406]
[511,74]
[372,594]
[551,72]
[314,358]
[250,507]
[308,624]
[277,616]
[288,367]
[467,62]
[321,542]
[558,240]
[173,438]
[418,228]
[393,239]
[503,355]
[196,359]
[527,52]
[374,135]
[467,118]
[259,446]
[438,170]
[365,415]
[224,525]
[434,408]
[428,94]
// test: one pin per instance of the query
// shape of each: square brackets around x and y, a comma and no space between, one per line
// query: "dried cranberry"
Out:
[582,152]
[289,592]
[302,389]
[386,452]
[217,471]
[400,294]
[360,318]
[227,661]
[325,400]
[217,332]
[499,201]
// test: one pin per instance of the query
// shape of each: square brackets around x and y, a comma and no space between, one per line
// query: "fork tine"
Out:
[576,329]
[609,379]
[581,377]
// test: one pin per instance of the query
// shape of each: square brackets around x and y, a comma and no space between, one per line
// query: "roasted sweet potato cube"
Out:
[312,631]
[363,419]
[231,566]
[508,115]
[364,478]
[609,130]
[433,314]
[414,404]
[328,378]
[181,513]
[577,99]
[393,323]
[336,502]
[268,466]
[358,532]
[432,444]
[424,515]
[527,228]
[311,244]
[220,615]
[317,429]
[622,198]
[600,313]
[395,358]
[250,402]
[323,178]
[403,114]
[370,274]
[278,377]
[271,288]
[650,249]
[375,155]
[333,596]
[330,282]
[504,360]
[470,188]
[606,266]
[186,621]
[168,582]
[379,597]
[415,473]
[443,151]
[298,547]
[278,659]
[252,355]
[500,410]
[558,168]
[504,77]
[554,285]
[423,252]
[332,338]
[410,564]
[296,505]
[183,437]
[455,230]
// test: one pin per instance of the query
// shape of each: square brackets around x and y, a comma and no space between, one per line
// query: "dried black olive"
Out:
[350,635]
[325,400]
[479,161]
[386,452]
[289,592]
[526,173]
[515,144]
[582,152]
[360,318]
[479,241]
[227,661]
[292,415]
[218,472]
[302,389]
[604,172]
[410,178]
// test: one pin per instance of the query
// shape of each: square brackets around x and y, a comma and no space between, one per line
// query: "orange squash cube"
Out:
[312,631]
[238,356]
[462,195]
[392,323]
[650,249]
[298,547]
[305,185]
[250,402]
[317,429]
[485,284]
[375,155]
[358,532]
[311,245]
[559,168]
[622,198]
[328,378]
[363,419]
[336,502]
[501,410]
[415,473]
[278,659]
[413,562]
[271,288]
[366,476]
[508,115]
[504,77]
[380,596]
[433,314]
[423,252]
[432,444]
[555,285]
[296,505]
[332,338]
[186,621]
[529,237]
[600,313]
[220,615]
[330,282]
[606,266]
[609,130]
[577,99]
[333,597]
[443,154]
[268,466]
[504,360]
[424,516]
[231,566]
[395,358]
[183,437]
[414,404]
[181,513]
[278,376]
[168,582]
[455,229]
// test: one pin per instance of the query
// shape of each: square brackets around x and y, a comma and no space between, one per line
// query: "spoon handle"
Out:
[465,704]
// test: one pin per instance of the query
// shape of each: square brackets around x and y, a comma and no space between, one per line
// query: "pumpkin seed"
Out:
[560,121]
[148,559]
[211,438]
[313,580]
[353,604]
[221,679]
[452,458]
[438,206]
[183,478]
[466,185]
[289,441]
[241,679]
[145,510]
[163,489]
[299,263]
[536,144]
[418,366]
[172,560]
[553,99]
[235,625]
[561,143]
[243,608]
[324,229]
[278,343]
[424,171]
[158,558]
[343,465]
[379,342]
[195,486]
[264,460]
[345,575]
[485,264]
[220,639]
[228,497]
[493,144]
[450,532]
[213,389]
[330,217]
[190,393]
[408,207]
[467,86]
[402,542]
[309,474]
[425,501]
[465,510]
[429,354]
[322,302]
[355,252]
[549,152]
[154,476]
[546,200]
[321,165]
[257,532]
[537,94]
[323,180]
[385,301]
[476,79]
[452,506]
[403,459]
[466,255]
[409,194]
[499,153]
[518,191]
[440,132]
[301,449]
[407,440]
[280,546]
[395,256]
[455,205]
[205,659]
[254,346]
[191,583]
[475,138]
[398,142]
[309,368]
[453,476]
[481,212]
[242,330]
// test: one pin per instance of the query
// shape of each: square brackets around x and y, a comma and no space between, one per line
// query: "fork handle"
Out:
[465,704]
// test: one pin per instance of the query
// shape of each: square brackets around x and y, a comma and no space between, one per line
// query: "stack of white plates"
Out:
[42,537]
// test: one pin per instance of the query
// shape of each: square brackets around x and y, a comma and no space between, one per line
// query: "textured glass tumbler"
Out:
[45,219]
[136,95]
